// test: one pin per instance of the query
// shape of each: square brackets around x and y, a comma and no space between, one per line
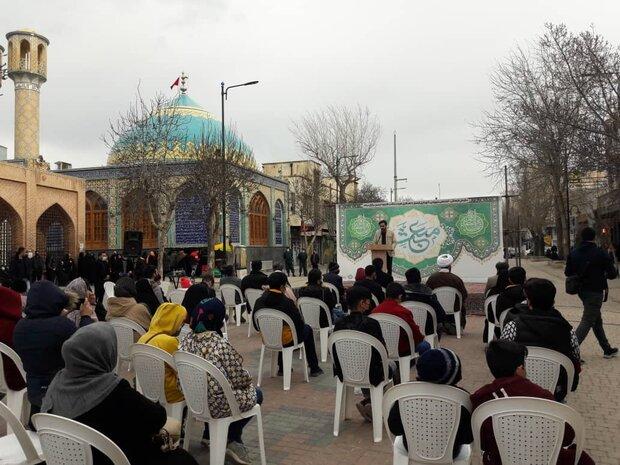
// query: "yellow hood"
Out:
[165,325]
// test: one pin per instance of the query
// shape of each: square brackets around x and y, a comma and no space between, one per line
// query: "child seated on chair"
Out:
[438,366]
[506,360]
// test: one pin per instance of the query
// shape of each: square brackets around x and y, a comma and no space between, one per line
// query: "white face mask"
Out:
[30,255]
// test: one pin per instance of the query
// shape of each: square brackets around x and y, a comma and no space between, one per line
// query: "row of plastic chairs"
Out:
[354,350]
[527,430]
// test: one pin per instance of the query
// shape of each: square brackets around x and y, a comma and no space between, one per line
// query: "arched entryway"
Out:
[136,218]
[96,222]
[55,232]
[11,232]
[259,220]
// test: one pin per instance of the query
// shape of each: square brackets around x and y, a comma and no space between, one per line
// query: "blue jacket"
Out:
[593,264]
[39,337]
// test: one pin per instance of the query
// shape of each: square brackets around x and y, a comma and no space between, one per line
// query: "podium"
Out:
[380,251]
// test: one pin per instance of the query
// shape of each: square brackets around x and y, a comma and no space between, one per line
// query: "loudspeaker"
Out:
[132,245]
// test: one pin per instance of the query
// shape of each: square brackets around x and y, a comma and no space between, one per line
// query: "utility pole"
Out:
[396,178]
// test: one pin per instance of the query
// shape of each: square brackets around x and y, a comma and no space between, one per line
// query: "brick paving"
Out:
[298,424]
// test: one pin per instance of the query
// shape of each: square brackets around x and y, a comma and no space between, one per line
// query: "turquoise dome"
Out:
[194,125]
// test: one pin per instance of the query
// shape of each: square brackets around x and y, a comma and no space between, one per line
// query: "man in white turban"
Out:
[445,277]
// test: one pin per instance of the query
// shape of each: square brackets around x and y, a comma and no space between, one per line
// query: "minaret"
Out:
[27,67]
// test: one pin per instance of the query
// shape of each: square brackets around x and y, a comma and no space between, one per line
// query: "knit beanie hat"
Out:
[333,267]
[439,366]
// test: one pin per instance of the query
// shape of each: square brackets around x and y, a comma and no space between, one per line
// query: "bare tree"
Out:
[343,140]
[215,181]
[369,193]
[145,141]
[591,66]
[311,190]
[524,131]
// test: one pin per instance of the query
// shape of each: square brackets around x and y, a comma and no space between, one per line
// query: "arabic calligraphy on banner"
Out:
[423,231]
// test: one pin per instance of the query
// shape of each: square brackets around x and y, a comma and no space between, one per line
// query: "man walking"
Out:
[594,267]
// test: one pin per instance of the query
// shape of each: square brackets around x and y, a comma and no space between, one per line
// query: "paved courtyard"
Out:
[298,423]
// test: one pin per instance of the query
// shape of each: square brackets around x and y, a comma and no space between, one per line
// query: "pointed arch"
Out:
[259,220]
[278,219]
[11,232]
[96,222]
[55,232]
[24,54]
[136,217]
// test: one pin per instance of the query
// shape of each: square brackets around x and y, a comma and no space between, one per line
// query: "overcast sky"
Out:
[422,66]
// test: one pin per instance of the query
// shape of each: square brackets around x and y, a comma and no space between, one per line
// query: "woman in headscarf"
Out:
[82,291]
[194,295]
[146,295]
[88,391]
[437,366]
[39,337]
[360,274]
[124,304]
[162,333]
[206,341]
[10,314]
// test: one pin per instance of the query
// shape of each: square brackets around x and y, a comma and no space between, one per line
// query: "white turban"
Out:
[445,260]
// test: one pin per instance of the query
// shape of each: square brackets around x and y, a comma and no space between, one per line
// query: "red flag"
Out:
[175,83]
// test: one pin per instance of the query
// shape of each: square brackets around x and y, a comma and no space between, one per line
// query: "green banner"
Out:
[423,230]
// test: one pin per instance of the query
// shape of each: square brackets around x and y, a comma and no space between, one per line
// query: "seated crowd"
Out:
[68,354]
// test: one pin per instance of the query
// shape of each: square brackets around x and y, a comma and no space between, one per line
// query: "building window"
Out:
[279,223]
[136,218]
[96,222]
[259,220]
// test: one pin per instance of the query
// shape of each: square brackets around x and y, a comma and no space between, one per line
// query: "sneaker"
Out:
[238,453]
[205,443]
[611,352]
[365,410]
[316,372]
[281,373]
[242,320]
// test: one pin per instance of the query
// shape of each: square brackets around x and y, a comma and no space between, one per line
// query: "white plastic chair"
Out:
[354,352]
[490,307]
[149,364]
[374,299]
[22,446]
[430,414]
[528,430]
[311,309]
[251,296]
[17,401]
[194,376]
[166,287]
[125,329]
[390,329]
[229,298]
[176,296]
[543,368]
[421,312]
[66,441]
[334,290]
[108,288]
[447,296]
[502,317]
[270,323]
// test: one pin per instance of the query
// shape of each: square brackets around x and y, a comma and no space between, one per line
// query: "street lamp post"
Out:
[224,95]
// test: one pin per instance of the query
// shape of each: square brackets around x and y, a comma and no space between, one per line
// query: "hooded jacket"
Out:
[39,337]
[165,326]
[10,314]
[127,307]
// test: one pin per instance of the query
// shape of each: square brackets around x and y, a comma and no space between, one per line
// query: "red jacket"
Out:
[514,386]
[10,314]
[392,307]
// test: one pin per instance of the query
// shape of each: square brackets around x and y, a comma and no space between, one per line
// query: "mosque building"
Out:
[92,211]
